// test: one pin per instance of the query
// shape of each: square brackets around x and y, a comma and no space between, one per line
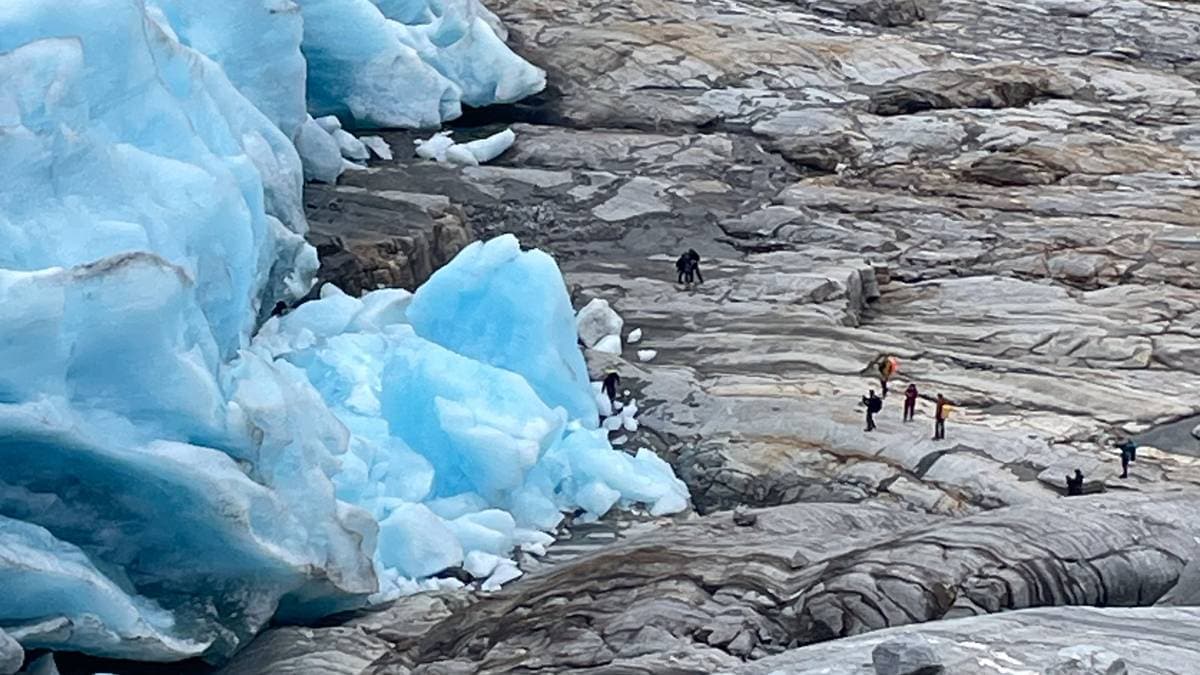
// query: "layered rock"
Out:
[1045,640]
[388,239]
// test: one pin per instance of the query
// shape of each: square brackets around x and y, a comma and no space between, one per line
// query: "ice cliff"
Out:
[176,470]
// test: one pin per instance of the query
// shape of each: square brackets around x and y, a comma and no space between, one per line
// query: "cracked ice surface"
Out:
[184,478]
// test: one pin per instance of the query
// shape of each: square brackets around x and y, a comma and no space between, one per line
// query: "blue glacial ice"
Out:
[408,63]
[176,469]
[185,477]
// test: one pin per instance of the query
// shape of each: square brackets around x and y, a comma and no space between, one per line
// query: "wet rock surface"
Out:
[1003,195]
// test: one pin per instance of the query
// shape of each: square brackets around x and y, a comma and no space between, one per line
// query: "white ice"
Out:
[441,148]
[378,146]
[609,344]
[635,336]
[645,355]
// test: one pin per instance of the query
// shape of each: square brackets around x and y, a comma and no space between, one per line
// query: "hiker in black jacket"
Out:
[874,404]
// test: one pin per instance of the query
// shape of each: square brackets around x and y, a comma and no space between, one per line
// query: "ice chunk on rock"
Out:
[435,146]
[460,154]
[350,147]
[486,149]
[635,336]
[440,147]
[609,344]
[378,146]
[596,321]
[416,542]
[645,355]
[505,572]
[597,498]
[320,153]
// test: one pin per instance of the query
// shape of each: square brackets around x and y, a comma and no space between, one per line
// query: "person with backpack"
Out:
[874,405]
[688,267]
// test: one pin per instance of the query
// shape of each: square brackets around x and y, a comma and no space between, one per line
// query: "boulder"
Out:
[597,321]
[908,655]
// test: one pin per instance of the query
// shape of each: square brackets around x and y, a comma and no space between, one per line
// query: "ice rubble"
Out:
[441,148]
[187,478]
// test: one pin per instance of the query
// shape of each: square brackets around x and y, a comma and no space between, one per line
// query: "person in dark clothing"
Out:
[1075,485]
[910,402]
[874,405]
[688,267]
[611,382]
[939,419]
[1128,454]
[280,309]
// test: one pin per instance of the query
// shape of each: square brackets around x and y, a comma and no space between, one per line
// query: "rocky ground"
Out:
[1003,194]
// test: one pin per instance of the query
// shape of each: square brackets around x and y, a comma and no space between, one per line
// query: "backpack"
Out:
[875,405]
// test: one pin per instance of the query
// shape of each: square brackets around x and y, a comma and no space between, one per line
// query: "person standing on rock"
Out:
[874,404]
[688,267]
[939,418]
[1075,485]
[1128,454]
[910,402]
[888,365]
[611,382]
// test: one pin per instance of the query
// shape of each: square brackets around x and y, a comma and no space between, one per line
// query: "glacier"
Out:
[178,467]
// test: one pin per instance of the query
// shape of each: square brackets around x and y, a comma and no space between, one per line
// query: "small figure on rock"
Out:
[1075,484]
[611,382]
[688,267]
[939,418]
[1128,454]
[874,405]
[888,365]
[910,402]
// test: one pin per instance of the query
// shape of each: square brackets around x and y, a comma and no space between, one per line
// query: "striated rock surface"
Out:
[1055,641]
[709,592]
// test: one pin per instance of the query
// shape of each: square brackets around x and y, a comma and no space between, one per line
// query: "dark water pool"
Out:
[1173,437]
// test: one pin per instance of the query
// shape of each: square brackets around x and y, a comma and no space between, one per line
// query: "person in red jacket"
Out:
[910,402]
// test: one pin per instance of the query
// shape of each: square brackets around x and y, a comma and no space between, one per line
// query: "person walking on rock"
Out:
[1075,485]
[910,402]
[1128,454]
[939,418]
[874,405]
